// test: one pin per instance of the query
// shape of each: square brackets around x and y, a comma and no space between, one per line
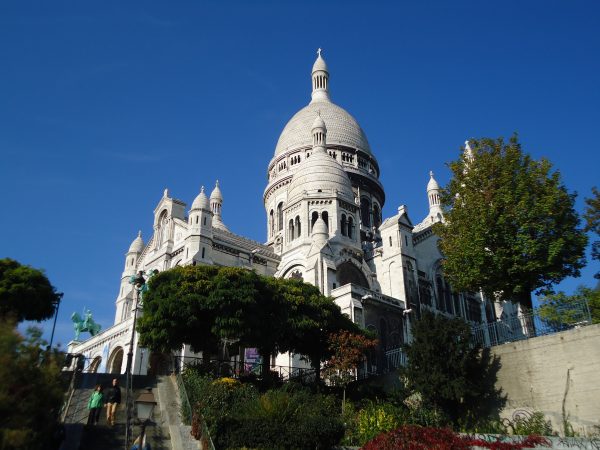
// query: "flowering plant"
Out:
[411,437]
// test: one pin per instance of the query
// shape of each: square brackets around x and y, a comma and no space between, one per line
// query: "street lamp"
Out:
[144,405]
[56,304]
[138,282]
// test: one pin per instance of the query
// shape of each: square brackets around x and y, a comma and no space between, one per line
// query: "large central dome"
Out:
[342,128]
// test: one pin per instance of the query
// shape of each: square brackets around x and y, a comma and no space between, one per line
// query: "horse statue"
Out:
[85,324]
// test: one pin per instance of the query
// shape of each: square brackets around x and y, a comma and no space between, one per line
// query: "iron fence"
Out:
[541,321]
[236,368]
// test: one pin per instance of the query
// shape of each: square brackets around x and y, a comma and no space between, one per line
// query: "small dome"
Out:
[432,185]
[137,245]
[216,193]
[201,201]
[320,173]
[319,123]
[320,228]
[319,63]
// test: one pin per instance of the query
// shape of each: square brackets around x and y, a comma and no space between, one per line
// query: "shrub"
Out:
[282,418]
[375,419]
[526,424]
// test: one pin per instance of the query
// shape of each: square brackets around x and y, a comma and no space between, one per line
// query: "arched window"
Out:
[325,217]
[313,219]
[365,212]
[298,231]
[444,293]
[280,216]
[161,231]
[344,226]
[291,230]
[376,215]
[271,223]
[350,227]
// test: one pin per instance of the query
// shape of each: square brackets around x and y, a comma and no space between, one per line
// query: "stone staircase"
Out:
[102,436]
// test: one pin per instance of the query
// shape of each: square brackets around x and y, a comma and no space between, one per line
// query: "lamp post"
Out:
[56,304]
[138,282]
[144,405]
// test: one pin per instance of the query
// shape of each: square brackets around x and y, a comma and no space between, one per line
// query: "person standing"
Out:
[113,399]
[95,405]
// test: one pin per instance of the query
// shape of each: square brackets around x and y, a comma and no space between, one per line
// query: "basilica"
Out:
[323,213]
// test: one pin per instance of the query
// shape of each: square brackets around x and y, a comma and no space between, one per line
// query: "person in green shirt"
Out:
[95,405]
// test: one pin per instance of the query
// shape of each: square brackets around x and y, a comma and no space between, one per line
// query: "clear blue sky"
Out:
[104,104]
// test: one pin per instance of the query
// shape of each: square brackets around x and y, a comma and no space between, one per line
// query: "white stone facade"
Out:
[323,204]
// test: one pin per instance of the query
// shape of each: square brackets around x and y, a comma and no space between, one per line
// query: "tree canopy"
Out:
[510,226]
[31,392]
[25,292]
[450,374]
[560,311]
[592,222]
[202,305]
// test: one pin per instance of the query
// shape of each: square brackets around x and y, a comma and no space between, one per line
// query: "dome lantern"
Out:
[216,203]
[320,80]
[319,132]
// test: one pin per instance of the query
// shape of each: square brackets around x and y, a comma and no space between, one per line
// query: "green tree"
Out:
[30,390]
[25,292]
[202,305]
[592,222]
[452,376]
[510,227]
[560,311]
[178,310]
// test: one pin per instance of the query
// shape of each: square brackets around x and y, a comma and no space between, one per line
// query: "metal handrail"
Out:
[541,321]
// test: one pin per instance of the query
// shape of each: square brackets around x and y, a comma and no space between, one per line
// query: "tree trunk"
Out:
[265,363]
[317,367]
[524,299]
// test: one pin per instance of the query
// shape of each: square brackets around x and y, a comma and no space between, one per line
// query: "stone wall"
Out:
[557,374]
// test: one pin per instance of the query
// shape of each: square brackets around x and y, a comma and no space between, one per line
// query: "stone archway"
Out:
[349,273]
[93,368]
[115,362]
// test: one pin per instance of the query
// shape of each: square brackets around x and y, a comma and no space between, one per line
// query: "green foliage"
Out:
[238,416]
[561,311]
[377,418]
[510,227]
[592,222]
[31,391]
[177,310]
[25,293]
[526,424]
[450,375]
[201,305]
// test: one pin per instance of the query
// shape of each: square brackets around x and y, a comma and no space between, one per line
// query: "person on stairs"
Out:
[95,404]
[113,399]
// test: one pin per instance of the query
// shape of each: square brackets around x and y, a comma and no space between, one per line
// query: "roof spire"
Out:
[320,79]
